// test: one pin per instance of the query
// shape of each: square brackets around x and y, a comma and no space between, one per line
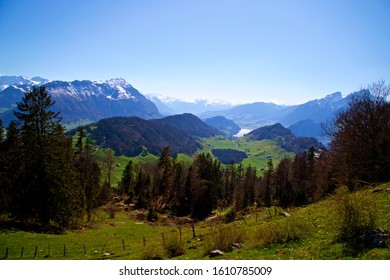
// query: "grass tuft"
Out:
[223,237]
[290,229]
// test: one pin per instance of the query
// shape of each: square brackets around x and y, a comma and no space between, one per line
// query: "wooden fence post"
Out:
[163,238]
[180,234]
[35,253]
[21,254]
[144,241]
[193,231]
[6,253]
[64,250]
[123,244]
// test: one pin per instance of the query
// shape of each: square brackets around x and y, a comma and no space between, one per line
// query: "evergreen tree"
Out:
[4,192]
[205,181]
[179,196]
[269,183]
[79,144]
[88,174]
[283,183]
[166,164]
[128,180]
[300,173]
[46,190]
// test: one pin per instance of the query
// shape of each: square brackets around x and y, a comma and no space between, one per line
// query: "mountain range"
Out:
[81,100]
[91,101]
[171,105]
[303,119]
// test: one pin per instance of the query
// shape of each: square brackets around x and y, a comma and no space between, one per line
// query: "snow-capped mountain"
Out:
[172,105]
[85,100]
[6,81]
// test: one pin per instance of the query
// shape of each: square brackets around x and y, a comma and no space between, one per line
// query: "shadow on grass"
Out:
[11,226]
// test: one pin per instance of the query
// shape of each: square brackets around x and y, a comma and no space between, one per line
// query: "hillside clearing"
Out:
[307,234]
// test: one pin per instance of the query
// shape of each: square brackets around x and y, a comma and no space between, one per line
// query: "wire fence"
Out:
[110,247]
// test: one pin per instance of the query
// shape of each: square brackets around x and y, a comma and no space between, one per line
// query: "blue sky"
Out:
[241,51]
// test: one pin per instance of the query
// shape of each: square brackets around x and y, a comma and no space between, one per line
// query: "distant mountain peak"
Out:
[333,97]
[40,80]
[192,125]
[358,94]
[173,105]
[118,82]
[327,100]
[6,81]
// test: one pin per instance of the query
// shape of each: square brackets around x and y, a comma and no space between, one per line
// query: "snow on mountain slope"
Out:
[6,81]
[80,100]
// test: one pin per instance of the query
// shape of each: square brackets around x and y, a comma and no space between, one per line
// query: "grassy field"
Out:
[309,233]
[258,151]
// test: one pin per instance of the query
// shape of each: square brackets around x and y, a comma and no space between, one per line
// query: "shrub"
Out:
[152,252]
[290,229]
[152,214]
[231,215]
[174,247]
[223,238]
[355,214]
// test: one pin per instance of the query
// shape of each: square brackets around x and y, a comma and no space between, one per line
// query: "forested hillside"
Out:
[46,180]
[285,138]
[131,136]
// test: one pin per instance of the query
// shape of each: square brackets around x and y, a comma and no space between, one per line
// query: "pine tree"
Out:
[166,164]
[47,190]
[283,183]
[269,183]
[127,180]
[88,174]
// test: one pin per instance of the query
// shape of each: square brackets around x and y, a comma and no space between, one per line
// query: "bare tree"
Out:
[360,136]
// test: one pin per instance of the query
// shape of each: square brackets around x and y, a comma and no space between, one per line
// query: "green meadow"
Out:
[259,152]
[300,233]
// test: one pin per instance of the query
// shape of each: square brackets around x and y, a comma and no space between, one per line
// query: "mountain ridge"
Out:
[80,100]
[85,99]
[132,136]
[192,125]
